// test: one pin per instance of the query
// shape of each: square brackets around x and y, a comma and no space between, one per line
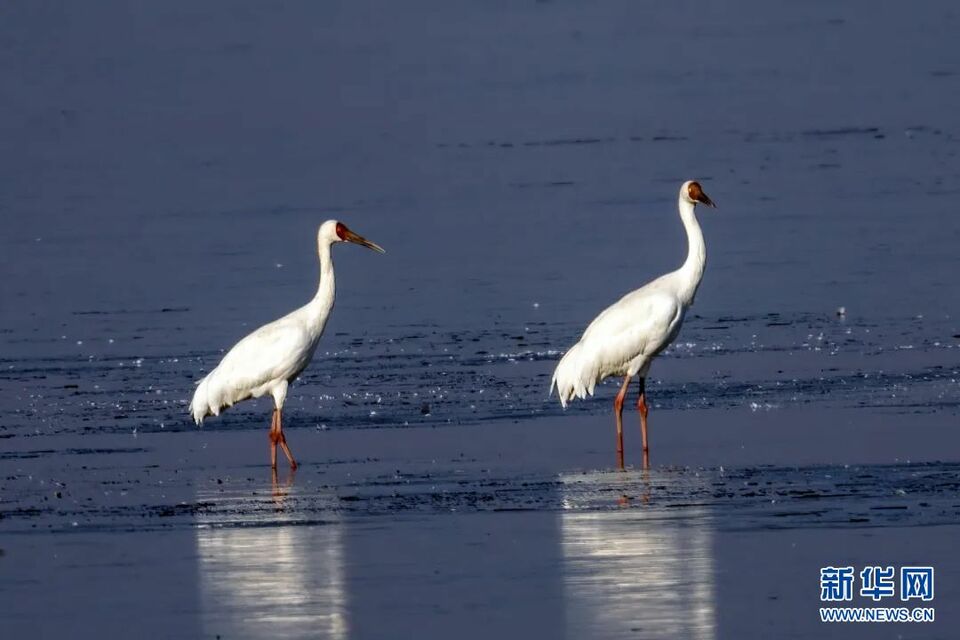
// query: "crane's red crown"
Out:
[695,191]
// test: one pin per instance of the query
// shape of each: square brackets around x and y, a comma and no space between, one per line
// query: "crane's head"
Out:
[693,193]
[334,231]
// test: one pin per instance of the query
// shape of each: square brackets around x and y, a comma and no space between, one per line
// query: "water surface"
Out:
[164,172]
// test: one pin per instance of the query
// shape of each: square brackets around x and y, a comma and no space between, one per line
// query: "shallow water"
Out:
[354,548]
[165,169]
[428,375]
[165,203]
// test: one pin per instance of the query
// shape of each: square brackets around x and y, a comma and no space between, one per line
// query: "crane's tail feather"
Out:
[570,380]
[202,405]
[198,405]
[214,394]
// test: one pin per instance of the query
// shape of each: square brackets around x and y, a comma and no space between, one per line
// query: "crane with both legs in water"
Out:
[270,358]
[625,338]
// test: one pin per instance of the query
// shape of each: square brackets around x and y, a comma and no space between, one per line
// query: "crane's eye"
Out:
[694,191]
[341,231]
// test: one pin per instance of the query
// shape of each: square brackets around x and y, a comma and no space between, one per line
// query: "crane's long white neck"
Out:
[319,308]
[691,272]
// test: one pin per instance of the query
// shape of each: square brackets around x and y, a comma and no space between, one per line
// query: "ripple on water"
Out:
[762,362]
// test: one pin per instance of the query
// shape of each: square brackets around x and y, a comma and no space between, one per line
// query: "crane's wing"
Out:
[621,340]
[274,352]
[642,323]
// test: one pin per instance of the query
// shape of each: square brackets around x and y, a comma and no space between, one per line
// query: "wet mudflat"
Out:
[165,169]
[422,531]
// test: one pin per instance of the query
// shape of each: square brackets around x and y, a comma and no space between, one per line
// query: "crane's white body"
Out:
[270,358]
[626,336]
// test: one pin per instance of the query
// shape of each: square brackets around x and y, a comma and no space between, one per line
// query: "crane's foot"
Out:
[277,438]
[287,452]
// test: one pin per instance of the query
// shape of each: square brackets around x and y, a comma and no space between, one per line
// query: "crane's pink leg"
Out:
[277,437]
[273,442]
[642,408]
[618,410]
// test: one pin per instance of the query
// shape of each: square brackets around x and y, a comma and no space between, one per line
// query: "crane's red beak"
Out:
[705,199]
[350,236]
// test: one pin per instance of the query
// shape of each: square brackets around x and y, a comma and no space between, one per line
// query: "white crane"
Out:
[270,358]
[628,335]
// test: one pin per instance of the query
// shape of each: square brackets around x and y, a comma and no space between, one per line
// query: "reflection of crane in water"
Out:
[640,569]
[625,338]
[270,578]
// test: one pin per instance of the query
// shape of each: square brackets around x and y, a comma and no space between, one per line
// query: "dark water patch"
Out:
[102,451]
[542,142]
[125,312]
[557,142]
[542,185]
[668,138]
[750,498]
[180,509]
[840,131]
[14,455]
